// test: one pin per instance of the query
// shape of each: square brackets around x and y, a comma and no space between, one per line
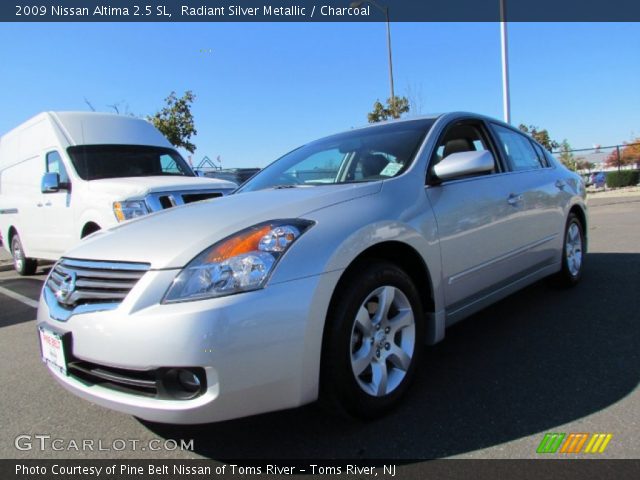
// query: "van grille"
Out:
[162,200]
[81,282]
[197,197]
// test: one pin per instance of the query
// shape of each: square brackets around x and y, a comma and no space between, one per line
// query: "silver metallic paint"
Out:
[261,350]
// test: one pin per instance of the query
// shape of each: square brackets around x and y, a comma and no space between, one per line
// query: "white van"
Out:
[65,175]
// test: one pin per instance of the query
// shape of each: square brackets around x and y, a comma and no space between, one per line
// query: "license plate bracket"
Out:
[53,349]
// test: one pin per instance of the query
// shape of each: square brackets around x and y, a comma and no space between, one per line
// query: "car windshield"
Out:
[93,162]
[362,155]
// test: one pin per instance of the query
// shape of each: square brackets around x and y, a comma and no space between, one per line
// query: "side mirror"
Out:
[462,164]
[50,183]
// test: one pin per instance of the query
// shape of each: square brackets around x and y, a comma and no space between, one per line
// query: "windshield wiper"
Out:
[280,187]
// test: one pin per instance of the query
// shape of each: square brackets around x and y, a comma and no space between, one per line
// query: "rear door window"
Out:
[541,155]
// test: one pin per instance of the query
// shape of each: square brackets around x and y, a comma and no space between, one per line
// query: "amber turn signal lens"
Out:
[247,242]
[117,209]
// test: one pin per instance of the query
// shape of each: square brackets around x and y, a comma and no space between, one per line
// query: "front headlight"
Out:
[239,263]
[129,209]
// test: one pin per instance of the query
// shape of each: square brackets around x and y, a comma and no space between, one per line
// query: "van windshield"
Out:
[363,155]
[93,162]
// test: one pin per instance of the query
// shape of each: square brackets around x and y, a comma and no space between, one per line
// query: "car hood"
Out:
[130,187]
[171,238]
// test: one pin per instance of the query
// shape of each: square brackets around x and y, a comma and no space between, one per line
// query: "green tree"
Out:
[393,109]
[540,135]
[566,156]
[175,120]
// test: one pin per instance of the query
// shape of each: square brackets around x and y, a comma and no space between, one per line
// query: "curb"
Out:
[614,193]
[5,267]
[6,262]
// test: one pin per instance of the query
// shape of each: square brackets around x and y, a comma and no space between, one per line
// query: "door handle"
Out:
[39,204]
[514,199]
[560,184]
[48,204]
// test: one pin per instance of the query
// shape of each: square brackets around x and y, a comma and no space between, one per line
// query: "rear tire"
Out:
[372,341]
[23,265]
[572,254]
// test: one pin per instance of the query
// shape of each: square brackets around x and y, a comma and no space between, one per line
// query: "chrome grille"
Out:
[102,285]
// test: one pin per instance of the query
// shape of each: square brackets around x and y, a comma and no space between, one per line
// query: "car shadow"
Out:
[13,311]
[538,359]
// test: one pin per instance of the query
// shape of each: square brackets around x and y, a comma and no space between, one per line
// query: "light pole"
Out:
[384,10]
[506,101]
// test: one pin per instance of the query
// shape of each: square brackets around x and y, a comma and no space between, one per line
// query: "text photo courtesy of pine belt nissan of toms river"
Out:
[322,277]
[65,175]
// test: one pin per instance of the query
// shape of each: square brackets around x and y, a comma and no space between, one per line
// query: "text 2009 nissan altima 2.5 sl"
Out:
[323,277]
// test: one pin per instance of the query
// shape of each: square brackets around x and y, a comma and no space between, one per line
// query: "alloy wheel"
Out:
[573,249]
[382,341]
[18,256]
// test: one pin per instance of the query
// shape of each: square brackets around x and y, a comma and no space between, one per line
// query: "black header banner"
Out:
[319,10]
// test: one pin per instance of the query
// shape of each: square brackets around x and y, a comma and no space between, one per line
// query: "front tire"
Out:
[373,340]
[23,265]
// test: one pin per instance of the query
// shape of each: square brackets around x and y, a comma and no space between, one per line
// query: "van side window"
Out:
[55,165]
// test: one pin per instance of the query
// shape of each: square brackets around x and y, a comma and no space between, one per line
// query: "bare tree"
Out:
[416,98]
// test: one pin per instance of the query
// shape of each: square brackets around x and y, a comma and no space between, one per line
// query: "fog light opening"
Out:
[189,381]
[183,383]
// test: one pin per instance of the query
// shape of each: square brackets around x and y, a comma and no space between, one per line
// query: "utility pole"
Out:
[506,101]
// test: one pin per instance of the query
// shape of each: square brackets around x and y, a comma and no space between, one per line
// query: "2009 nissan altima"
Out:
[323,277]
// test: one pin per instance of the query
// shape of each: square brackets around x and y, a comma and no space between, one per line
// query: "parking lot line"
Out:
[21,298]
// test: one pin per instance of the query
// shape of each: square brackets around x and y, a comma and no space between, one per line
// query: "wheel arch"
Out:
[89,228]
[102,218]
[11,232]
[413,264]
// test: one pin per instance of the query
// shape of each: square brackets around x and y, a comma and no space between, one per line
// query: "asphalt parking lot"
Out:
[543,360]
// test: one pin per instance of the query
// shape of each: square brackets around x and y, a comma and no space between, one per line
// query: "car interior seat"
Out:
[373,164]
[457,145]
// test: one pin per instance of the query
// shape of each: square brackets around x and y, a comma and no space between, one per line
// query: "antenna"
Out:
[89,104]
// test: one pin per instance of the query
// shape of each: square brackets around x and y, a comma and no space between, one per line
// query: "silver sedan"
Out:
[323,277]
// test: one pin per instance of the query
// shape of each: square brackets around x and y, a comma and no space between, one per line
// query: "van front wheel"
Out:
[22,264]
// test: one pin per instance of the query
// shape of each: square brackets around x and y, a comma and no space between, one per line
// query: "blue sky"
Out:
[266,88]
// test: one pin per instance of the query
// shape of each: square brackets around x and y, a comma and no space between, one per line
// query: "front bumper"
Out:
[260,350]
